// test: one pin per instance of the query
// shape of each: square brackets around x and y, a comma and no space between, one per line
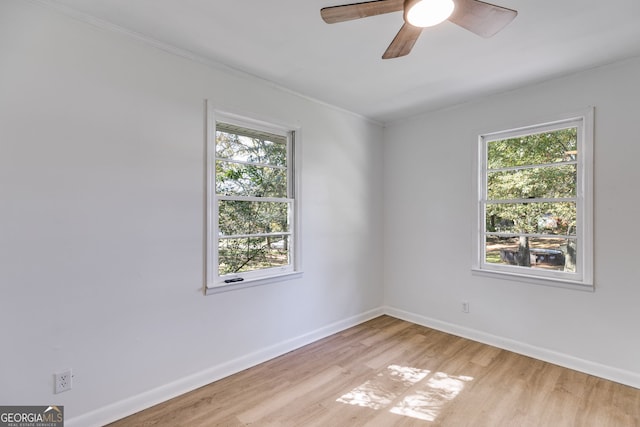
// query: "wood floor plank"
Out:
[289,396]
[388,372]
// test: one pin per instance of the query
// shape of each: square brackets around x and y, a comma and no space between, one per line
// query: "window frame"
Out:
[582,279]
[214,282]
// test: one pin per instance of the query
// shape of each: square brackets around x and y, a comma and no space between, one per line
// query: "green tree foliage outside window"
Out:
[530,209]
[253,203]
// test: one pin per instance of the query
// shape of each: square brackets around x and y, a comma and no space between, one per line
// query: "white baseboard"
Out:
[621,376]
[137,403]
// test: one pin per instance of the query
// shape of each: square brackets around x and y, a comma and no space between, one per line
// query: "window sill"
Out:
[536,280]
[249,283]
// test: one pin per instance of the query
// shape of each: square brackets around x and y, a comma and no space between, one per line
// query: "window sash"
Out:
[537,166]
[582,277]
[254,129]
[244,162]
[532,200]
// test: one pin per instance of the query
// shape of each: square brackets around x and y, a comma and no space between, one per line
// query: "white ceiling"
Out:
[287,43]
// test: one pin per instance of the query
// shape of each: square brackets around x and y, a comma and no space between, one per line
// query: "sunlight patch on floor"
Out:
[384,388]
[406,391]
[426,402]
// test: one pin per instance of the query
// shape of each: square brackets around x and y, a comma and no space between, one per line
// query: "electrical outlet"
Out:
[63,380]
[465,306]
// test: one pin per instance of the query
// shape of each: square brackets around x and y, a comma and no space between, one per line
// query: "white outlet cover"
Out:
[63,381]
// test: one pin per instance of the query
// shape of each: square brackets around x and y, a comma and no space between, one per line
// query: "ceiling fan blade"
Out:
[403,42]
[483,19]
[347,12]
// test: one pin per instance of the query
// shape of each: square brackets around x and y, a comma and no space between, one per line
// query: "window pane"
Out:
[542,183]
[235,179]
[240,217]
[532,218]
[249,254]
[533,252]
[242,148]
[541,148]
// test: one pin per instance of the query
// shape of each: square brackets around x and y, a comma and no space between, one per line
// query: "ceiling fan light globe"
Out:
[427,13]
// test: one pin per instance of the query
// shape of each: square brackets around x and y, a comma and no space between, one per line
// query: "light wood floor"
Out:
[387,372]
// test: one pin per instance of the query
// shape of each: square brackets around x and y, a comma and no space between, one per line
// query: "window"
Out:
[534,219]
[252,206]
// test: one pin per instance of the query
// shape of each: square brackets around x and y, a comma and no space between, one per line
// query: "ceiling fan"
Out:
[483,19]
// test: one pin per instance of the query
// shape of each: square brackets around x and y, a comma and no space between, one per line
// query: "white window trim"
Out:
[583,279]
[213,283]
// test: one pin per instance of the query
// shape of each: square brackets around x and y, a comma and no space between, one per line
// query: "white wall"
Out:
[428,225]
[102,213]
